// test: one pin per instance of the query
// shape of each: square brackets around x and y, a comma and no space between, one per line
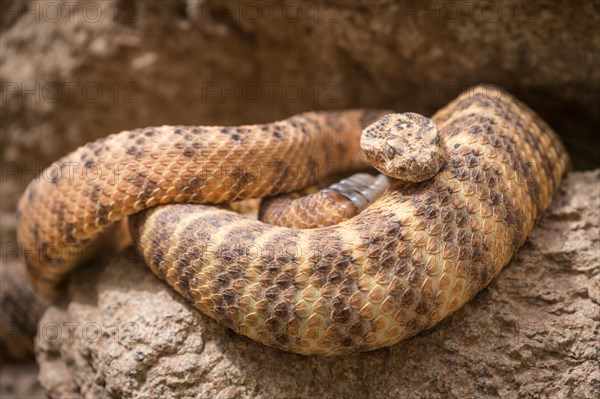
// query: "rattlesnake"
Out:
[462,203]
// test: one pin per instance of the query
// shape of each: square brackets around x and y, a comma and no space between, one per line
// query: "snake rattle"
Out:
[466,188]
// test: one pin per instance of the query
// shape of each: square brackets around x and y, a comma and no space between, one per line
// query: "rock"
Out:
[72,72]
[19,380]
[21,310]
[533,332]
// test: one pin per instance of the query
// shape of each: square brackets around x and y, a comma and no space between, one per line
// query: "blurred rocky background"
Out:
[74,70]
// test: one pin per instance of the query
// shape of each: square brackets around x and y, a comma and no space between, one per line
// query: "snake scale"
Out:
[469,184]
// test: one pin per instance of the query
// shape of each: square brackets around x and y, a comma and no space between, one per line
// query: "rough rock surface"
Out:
[19,381]
[20,310]
[532,333]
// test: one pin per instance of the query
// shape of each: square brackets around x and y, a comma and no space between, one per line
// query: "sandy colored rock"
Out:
[19,381]
[20,311]
[532,333]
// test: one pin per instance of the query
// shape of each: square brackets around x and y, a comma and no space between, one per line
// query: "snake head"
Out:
[404,146]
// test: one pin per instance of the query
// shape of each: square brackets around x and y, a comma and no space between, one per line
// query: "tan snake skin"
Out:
[411,258]
[307,209]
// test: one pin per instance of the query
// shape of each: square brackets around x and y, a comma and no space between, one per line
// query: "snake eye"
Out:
[389,151]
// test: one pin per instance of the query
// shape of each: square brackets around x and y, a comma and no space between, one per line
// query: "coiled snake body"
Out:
[437,236]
